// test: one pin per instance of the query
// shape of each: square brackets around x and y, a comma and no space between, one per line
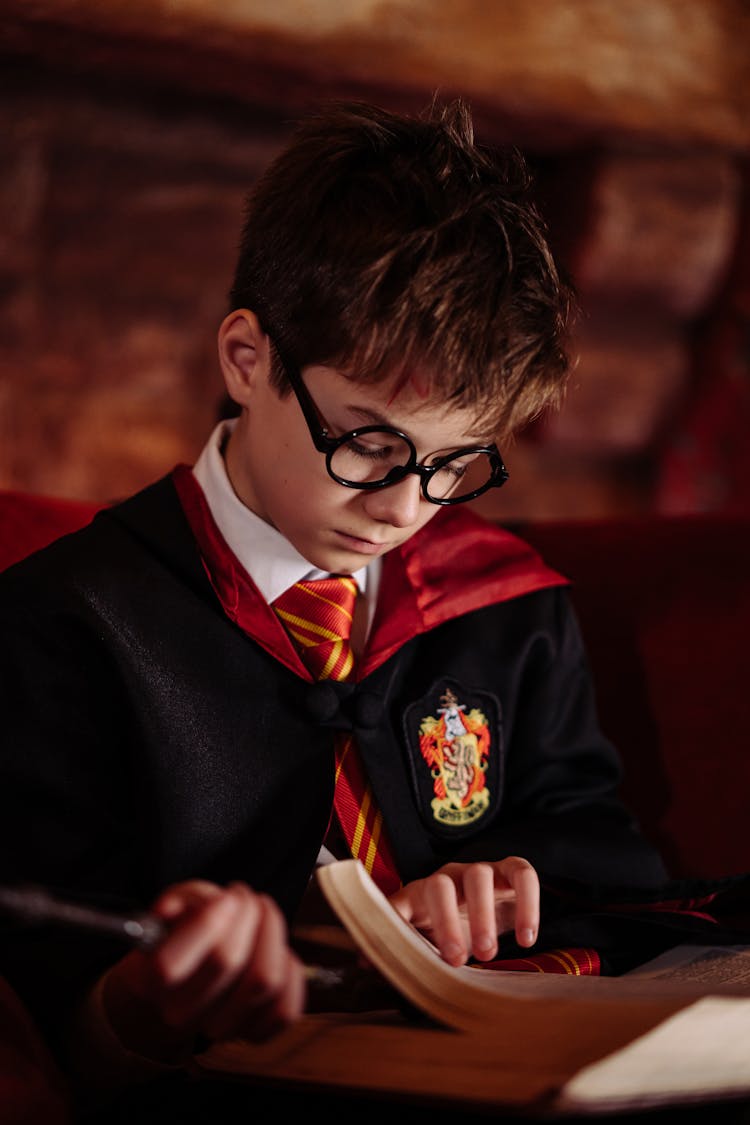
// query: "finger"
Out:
[479,896]
[276,1016]
[441,908]
[183,897]
[262,1017]
[524,881]
[161,972]
[411,900]
[223,964]
[193,936]
[403,901]
[270,990]
[269,957]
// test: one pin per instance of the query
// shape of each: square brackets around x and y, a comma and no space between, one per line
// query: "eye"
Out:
[373,450]
[458,467]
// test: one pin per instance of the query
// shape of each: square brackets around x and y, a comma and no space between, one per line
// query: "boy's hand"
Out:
[462,907]
[223,970]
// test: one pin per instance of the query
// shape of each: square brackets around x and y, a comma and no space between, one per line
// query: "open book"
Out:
[466,997]
[516,1038]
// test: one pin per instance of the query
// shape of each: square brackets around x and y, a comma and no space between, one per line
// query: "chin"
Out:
[336,562]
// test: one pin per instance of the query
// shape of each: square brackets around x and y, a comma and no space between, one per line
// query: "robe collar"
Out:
[455,564]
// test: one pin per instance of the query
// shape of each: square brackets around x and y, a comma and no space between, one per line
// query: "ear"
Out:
[244,354]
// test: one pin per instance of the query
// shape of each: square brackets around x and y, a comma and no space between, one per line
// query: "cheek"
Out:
[307,493]
[429,513]
[294,467]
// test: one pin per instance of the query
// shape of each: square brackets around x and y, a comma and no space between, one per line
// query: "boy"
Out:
[395,311]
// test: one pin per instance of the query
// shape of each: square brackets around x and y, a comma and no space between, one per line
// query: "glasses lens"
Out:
[460,476]
[369,456]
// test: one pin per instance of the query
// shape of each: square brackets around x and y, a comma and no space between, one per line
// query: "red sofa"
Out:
[664,605]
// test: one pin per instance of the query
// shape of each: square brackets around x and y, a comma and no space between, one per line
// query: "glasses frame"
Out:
[328,445]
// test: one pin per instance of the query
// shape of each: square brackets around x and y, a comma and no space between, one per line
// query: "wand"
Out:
[345,988]
[33,906]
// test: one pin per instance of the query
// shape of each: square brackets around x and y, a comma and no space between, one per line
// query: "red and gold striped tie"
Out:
[318,616]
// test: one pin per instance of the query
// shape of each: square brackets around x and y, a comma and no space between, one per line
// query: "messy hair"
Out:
[376,242]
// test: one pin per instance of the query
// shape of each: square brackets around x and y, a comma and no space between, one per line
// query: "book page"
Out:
[699,1053]
[466,996]
[700,964]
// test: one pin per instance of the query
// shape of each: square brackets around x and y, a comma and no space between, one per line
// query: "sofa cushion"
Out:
[28,522]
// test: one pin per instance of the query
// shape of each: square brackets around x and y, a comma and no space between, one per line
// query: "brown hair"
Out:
[376,241]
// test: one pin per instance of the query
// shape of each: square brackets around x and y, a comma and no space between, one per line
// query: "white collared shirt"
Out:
[271,561]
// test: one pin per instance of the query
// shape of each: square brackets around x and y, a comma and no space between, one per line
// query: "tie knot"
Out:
[318,616]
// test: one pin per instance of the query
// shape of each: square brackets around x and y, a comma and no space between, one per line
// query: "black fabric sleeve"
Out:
[66,800]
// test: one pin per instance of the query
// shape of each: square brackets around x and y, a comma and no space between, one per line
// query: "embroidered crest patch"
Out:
[455,748]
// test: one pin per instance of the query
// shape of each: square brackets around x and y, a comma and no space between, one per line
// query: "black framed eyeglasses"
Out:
[378,456]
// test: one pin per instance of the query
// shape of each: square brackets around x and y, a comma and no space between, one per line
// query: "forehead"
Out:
[408,402]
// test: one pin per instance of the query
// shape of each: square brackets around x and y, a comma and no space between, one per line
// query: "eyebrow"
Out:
[370,417]
[375,418]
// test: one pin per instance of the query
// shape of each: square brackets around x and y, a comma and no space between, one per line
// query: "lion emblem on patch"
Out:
[455,745]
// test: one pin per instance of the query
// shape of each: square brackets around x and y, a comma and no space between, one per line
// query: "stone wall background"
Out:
[129,134]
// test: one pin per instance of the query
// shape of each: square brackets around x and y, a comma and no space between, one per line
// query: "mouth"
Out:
[361,546]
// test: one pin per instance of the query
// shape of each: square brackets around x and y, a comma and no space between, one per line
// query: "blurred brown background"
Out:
[130,131]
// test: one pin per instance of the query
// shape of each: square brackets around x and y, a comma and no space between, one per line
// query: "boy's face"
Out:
[276,470]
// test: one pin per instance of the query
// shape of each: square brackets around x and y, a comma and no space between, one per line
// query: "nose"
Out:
[397,504]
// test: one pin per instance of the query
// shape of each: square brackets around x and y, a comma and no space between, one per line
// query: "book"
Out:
[465,997]
[554,1042]
[700,1053]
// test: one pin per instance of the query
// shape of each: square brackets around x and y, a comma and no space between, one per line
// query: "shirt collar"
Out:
[270,559]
